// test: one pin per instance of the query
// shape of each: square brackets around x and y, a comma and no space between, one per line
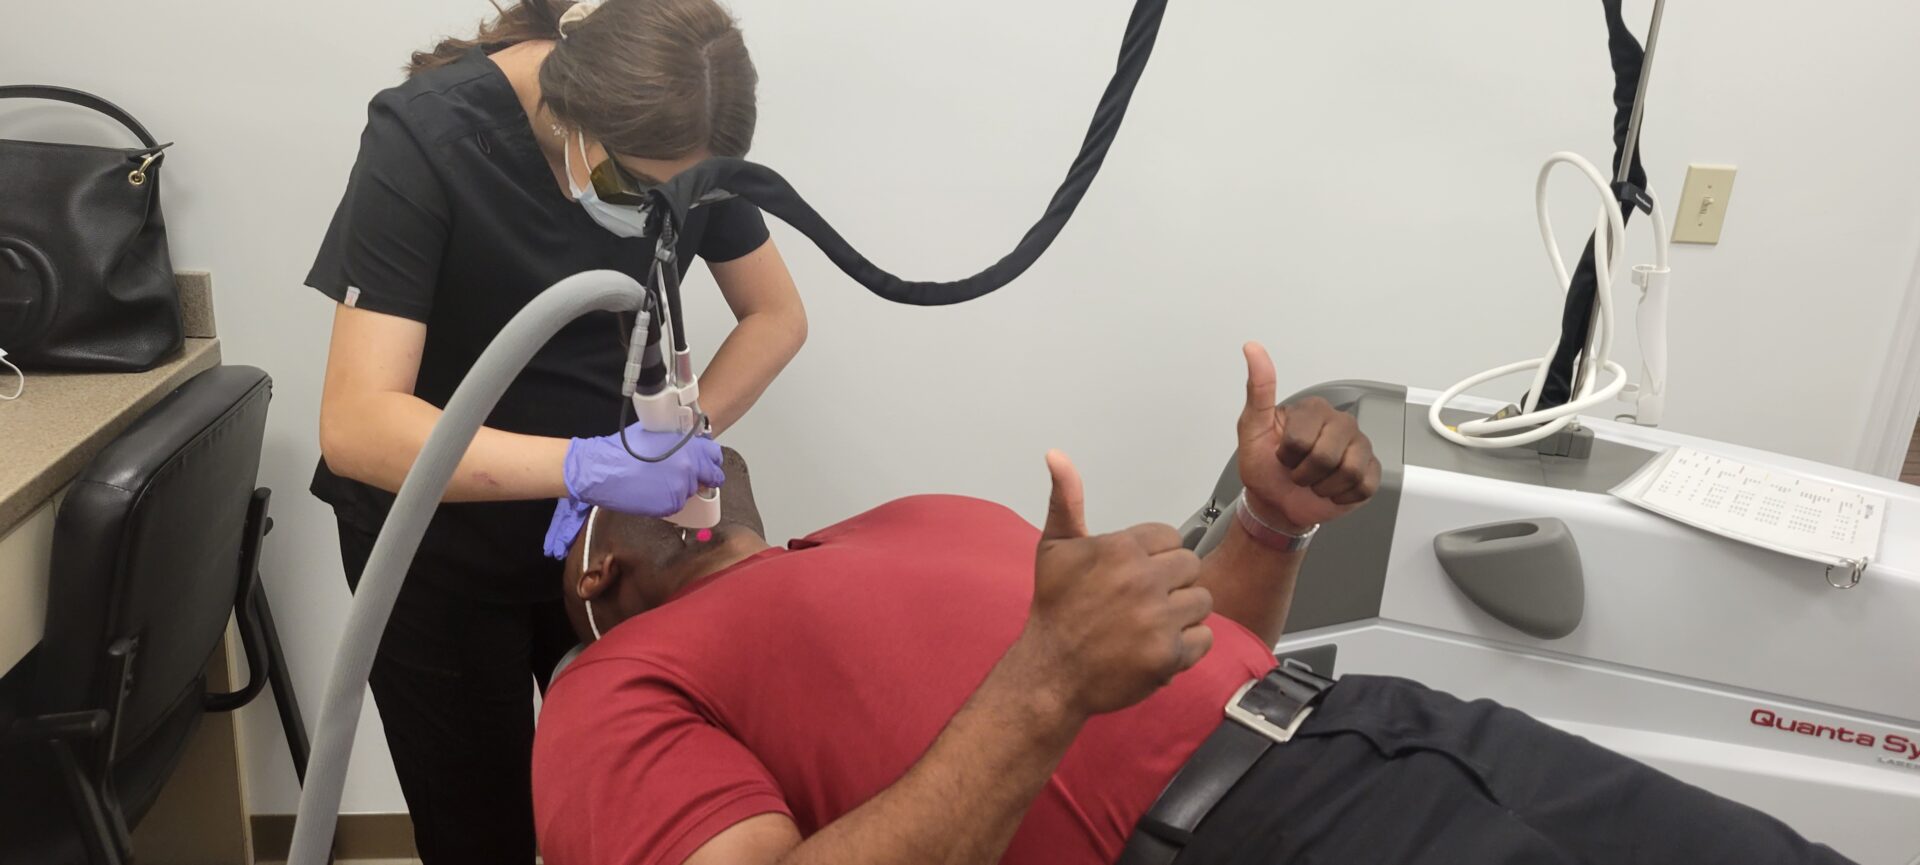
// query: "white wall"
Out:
[1350,183]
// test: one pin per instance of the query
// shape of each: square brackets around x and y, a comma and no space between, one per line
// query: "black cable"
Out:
[766,189]
[626,419]
[1576,316]
[665,278]
[771,193]
[654,309]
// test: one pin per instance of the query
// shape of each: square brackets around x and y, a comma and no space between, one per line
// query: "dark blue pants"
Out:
[1388,771]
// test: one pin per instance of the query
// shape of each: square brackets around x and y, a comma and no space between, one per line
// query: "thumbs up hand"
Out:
[1114,616]
[1303,463]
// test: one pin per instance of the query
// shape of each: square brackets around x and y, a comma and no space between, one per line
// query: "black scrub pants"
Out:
[454,682]
[1388,771]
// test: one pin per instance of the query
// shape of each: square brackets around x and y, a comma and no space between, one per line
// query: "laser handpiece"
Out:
[660,384]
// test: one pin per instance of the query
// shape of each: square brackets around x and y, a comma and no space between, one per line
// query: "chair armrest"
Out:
[64,725]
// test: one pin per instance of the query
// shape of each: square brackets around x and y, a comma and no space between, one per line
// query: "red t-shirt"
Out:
[805,681]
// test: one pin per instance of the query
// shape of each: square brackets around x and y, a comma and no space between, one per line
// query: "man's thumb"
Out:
[1067,507]
[1261,385]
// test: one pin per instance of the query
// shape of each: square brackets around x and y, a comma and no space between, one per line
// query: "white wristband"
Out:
[1267,535]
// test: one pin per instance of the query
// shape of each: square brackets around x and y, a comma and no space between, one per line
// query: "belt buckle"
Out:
[1260,723]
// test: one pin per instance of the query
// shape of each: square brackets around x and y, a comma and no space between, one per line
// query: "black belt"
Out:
[1263,713]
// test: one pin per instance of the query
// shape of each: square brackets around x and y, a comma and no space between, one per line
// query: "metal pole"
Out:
[1640,95]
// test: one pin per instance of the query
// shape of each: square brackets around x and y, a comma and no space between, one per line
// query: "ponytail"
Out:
[525,21]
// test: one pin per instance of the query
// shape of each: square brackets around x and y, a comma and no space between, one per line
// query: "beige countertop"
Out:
[63,419]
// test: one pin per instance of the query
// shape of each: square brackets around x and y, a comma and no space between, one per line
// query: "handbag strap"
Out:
[84,100]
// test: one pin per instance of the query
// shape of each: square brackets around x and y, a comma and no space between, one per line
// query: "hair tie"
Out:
[575,14]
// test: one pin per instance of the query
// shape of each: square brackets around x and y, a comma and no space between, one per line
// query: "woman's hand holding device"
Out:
[601,473]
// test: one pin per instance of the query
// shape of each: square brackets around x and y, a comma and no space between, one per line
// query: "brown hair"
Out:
[651,78]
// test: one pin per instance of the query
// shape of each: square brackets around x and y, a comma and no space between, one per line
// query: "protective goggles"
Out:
[616,185]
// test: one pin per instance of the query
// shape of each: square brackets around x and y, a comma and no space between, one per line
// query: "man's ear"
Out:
[597,578]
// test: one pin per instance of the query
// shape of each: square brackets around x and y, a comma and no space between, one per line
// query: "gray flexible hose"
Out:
[568,299]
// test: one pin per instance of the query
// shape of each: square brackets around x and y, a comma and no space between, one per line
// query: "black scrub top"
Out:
[452,218]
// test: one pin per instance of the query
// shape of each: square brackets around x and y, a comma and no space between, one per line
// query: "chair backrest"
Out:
[147,546]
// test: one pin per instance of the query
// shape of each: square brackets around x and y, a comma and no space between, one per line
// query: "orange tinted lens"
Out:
[614,186]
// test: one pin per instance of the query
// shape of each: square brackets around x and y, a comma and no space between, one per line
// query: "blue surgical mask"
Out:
[623,221]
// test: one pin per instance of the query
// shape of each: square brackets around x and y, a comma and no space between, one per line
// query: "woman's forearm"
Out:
[759,347]
[375,437]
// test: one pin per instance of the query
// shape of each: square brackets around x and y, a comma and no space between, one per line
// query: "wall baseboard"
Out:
[359,836]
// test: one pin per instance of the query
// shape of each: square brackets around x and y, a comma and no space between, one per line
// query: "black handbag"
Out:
[85,280]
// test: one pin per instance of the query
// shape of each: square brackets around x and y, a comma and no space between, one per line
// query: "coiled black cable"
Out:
[770,192]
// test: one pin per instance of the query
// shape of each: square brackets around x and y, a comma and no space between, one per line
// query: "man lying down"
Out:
[935,680]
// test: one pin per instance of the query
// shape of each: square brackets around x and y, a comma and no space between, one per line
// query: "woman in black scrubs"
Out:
[462,206]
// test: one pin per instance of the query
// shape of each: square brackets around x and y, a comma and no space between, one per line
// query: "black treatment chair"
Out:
[156,544]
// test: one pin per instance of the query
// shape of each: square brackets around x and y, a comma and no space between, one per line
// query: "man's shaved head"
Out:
[629,532]
[638,562]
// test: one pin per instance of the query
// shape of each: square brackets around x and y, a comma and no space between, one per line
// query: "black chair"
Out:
[156,544]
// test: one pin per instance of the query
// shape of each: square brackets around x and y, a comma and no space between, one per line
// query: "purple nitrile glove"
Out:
[600,472]
[569,516]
